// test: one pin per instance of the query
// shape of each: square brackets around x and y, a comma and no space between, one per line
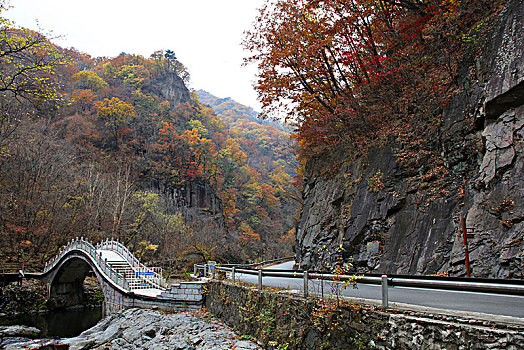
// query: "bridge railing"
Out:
[144,274]
[86,246]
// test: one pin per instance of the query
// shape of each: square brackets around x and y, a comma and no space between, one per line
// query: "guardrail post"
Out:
[195,269]
[233,273]
[306,284]
[385,302]
[259,279]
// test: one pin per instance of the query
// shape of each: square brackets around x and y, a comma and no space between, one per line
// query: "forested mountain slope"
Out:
[119,147]
[231,111]
[273,146]
[269,150]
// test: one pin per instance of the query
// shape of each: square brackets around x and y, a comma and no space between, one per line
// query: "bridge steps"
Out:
[138,281]
[122,268]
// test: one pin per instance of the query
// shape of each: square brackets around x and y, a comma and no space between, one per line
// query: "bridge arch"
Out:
[125,281]
[66,283]
[66,274]
[119,272]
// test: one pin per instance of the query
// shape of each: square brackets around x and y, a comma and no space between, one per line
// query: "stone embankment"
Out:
[286,321]
[149,329]
[31,297]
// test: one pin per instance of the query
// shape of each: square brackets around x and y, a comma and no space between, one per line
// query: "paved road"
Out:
[288,265]
[487,303]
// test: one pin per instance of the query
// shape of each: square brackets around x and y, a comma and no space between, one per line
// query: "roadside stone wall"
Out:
[188,295]
[286,321]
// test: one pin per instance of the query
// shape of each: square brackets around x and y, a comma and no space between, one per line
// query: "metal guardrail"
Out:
[267,262]
[471,285]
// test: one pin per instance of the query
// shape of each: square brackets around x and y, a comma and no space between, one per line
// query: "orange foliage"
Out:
[115,114]
[83,99]
[362,70]
[247,235]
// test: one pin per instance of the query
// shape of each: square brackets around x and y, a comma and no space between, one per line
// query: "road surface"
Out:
[488,303]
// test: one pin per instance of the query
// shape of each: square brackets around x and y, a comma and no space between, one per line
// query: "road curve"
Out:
[488,303]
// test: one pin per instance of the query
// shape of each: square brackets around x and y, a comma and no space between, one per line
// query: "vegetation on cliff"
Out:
[353,73]
[396,110]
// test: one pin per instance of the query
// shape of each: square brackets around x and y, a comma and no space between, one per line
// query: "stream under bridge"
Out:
[124,280]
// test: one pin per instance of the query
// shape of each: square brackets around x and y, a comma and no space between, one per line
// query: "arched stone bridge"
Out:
[125,281]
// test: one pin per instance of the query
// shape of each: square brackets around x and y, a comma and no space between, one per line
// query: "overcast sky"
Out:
[205,34]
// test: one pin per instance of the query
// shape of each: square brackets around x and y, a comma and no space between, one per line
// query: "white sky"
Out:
[204,34]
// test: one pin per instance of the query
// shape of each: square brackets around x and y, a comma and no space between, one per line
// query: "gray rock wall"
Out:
[370,202]
[198,203]
[171,87]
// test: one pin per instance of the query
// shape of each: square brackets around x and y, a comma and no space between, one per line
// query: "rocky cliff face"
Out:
[198,204]
[170,87]
[369,210]
[196,200]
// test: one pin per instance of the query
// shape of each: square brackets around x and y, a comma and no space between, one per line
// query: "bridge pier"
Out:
[65,295]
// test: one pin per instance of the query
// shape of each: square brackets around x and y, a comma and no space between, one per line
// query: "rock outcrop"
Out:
[369,210]
[171,88]
[18,331]
[148,329]
[10,335]
[198,203]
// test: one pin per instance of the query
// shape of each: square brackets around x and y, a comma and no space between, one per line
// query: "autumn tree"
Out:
[83,98]
[86,79]
[115,114]
[354,71]
[133,76]
[28,62]
[177,66]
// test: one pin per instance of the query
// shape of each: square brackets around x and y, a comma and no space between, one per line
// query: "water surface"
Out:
[58,324]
